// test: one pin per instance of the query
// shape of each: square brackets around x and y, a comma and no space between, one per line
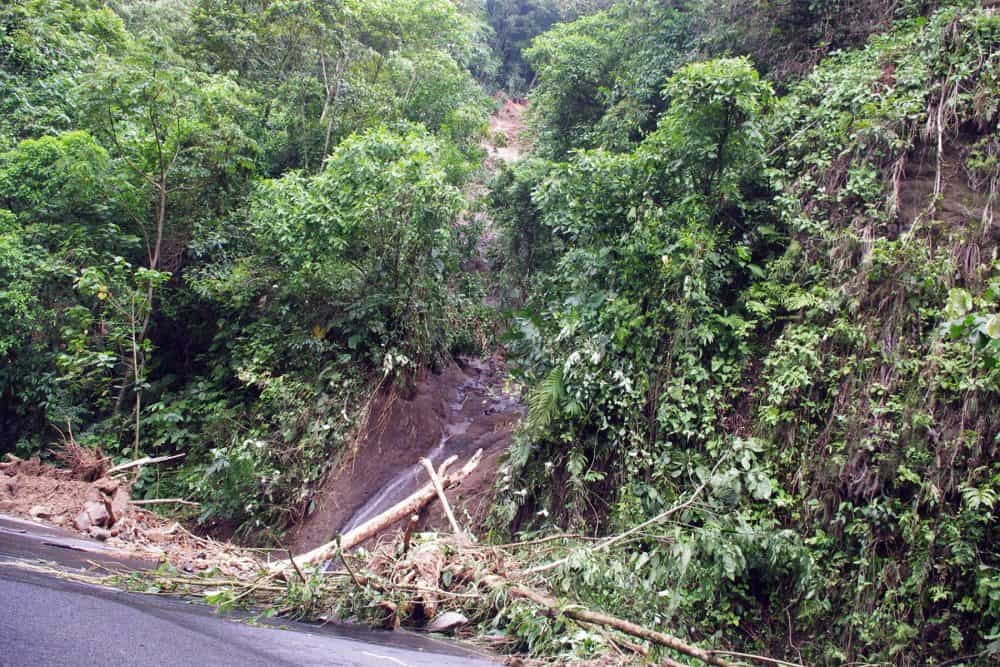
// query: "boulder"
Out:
[120,503]
[82,522]
[94,514]
[449,620]
[106,485]
[99,533]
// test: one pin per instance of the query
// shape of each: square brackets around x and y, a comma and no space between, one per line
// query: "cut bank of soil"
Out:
[457,411]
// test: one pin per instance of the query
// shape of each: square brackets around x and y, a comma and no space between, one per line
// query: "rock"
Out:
[83,521]
[40,512]
[99,513]
[120,503]
[99,533]
[94,514]
[449,620]
[106,485]
[162,534]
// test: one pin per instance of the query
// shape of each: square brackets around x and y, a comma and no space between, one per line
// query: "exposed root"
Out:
[84,463]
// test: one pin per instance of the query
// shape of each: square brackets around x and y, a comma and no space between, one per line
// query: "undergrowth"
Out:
[793,300]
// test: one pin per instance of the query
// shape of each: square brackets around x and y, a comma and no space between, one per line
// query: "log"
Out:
[552,608]
[165,501]
[402,509]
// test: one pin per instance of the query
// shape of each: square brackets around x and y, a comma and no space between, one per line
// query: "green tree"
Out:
[61,220]
[366,243]
[45,45]
[599,78]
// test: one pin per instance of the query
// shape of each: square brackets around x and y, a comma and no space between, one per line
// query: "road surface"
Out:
[48,621]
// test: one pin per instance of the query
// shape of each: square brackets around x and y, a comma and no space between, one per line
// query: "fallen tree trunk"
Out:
[165,501]
[404,508]
[552,608]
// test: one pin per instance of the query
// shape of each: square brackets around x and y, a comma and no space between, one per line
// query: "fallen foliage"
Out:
[430,581]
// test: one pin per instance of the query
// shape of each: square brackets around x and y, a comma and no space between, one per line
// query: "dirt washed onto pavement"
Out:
[102,509]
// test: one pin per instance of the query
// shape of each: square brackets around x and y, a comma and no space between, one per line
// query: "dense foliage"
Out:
[790,300]
[514,24]
[752,267]
[223,222]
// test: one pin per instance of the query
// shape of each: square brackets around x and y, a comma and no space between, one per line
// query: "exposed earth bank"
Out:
[463,408]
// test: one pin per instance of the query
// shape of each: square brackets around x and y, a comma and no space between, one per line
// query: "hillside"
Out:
[739,261]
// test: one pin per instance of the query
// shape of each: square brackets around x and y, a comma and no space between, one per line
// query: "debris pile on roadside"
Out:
[93,499]
[432,581]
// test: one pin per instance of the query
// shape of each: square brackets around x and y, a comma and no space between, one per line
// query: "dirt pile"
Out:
[102,508]
[57,496]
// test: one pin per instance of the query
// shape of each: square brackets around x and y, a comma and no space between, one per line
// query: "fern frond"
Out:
[546,399]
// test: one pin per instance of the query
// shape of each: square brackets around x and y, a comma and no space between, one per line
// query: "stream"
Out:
[478,416]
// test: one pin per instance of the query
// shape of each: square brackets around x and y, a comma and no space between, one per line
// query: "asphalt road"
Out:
[51,622]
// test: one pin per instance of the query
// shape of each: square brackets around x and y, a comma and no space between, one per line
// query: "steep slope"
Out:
[468,405]
[787,304]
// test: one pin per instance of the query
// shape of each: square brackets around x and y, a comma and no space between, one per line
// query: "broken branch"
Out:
[146,460]
[439,489]
[552,608]
[165,501]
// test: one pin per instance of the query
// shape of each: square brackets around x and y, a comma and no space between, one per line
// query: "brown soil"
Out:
[464,403]
[102,509]
[33,489]
[508,122]
[959,206]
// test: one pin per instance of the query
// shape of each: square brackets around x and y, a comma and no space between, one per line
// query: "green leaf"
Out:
[992,327]
[959,303]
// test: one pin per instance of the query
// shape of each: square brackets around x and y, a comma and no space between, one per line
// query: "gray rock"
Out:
[82,521]
[99,533]
[449,620]
[119,504]
[94,514]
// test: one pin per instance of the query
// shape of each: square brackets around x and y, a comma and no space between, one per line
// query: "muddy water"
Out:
[479,415]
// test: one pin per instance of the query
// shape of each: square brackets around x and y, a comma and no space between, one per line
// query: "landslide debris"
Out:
[102,508]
